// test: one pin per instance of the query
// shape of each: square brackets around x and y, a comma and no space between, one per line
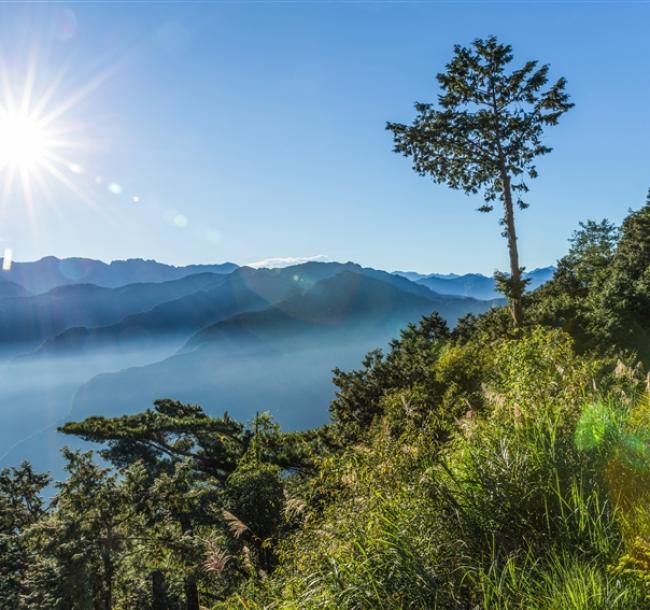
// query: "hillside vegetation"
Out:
[501,465]
[485,467]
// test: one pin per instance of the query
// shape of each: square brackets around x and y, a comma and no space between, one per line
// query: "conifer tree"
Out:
[485,134]
[79,542]
[624,304]
[21,505]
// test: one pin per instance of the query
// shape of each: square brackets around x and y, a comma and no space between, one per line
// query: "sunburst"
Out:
[36,140]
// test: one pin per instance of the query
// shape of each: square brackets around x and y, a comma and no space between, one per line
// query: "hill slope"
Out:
[9,289]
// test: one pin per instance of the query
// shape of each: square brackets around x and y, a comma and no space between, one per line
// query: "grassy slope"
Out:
[514,506]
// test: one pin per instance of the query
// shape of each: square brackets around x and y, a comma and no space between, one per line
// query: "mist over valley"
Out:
[82,337]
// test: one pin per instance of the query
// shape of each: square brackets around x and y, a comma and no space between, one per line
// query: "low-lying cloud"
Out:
[288,261]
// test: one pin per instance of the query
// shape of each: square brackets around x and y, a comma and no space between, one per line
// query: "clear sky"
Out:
[248,131]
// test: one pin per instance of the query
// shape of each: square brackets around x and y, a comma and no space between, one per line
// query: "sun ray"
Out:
[30,78]
[65,180]
[75,98]
[48,198]
[8,184]
[8,101]
[26,184]
[41,103]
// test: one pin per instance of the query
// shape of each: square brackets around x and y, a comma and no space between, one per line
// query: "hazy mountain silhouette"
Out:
[49,272]
[245,289]
[168,321]
[414,276]
[278,358]
[9,289]
[29,320]
[358,302]
[479,286]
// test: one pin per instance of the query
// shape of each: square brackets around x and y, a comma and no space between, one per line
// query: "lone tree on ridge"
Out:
[484,136]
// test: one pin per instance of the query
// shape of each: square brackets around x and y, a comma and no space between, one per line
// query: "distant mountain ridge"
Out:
[248,340]
[475,285]
[38,277]
[50,272]
[75,316]
[244,290]
[414,276]
[347,299]
[28,319]
[9,289]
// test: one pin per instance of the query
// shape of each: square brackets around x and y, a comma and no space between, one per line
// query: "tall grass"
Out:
[558,581]
[522,509]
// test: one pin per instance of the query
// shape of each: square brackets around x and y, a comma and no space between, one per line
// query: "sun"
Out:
[37,137]
[33,145]
[25,144]
[45,138]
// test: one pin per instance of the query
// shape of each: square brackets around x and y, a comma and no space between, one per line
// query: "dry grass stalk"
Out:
[237,527]
[217,559]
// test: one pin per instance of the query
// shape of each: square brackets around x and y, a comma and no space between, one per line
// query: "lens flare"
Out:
[7,259]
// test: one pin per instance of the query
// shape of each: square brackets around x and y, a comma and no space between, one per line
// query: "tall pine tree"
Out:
[485,134]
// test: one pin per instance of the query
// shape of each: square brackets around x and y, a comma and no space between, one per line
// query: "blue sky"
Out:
[256,130]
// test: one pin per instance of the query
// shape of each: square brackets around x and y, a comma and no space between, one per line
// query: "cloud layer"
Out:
[288,261]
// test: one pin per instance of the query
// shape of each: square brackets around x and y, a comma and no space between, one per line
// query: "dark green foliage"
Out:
[21,506]
[600,293]
[256,497]
[256,512]
[80,541]
[407,364]
[627,292]
[185,479]
[170,432]
[572,299]
[486,117]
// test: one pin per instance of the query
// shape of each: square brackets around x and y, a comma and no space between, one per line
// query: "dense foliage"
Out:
[485,467]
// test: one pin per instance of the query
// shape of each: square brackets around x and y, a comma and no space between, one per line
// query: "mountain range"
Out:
[277,358]
[49,272]
[473,285]
[82,337]
[26,320]
[243,290]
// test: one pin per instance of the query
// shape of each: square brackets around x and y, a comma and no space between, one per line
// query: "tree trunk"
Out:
[107,559]
[516,308]
[191,594]
[514,297]
[158,593]
[191,590]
